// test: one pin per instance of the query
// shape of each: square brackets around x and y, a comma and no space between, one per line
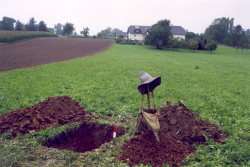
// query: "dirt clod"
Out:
[54,111]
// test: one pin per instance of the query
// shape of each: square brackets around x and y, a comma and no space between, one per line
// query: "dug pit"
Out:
[86,137]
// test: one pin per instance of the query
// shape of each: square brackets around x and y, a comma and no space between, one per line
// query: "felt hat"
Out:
[147,79]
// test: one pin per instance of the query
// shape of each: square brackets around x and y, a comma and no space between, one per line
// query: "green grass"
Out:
[107,83]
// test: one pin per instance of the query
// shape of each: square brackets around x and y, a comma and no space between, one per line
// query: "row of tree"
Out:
[7,23]
[222,30]
[108,32]
[161,35]
[67,29]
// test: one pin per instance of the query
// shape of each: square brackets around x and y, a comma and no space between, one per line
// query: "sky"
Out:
[193,15]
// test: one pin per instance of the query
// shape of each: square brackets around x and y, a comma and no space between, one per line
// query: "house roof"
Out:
[140,29]
[176,30]
[117,34]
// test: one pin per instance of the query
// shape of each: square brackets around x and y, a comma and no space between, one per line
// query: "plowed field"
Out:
[43,51]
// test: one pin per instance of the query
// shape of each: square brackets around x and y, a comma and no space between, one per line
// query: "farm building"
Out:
[117,34]
[138,32]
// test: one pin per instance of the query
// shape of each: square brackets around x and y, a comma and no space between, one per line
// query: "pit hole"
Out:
[86,137]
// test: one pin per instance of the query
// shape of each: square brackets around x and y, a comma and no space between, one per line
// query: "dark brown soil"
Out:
[184,124]
[42,51]
[180,128]
[145,149]
[86,137]
[54,111]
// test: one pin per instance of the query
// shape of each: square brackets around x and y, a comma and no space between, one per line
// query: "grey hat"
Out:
[147,79]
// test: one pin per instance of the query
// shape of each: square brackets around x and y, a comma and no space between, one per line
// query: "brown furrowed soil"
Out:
[43,51]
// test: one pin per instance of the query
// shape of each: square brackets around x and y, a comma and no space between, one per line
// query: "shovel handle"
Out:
[148,96]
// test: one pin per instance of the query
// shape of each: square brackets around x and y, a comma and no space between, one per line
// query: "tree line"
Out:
[7,23]
[222,31]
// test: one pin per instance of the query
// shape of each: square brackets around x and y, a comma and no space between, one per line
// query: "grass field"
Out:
[214,85]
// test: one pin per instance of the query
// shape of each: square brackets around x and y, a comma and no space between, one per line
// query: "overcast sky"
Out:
[192,15]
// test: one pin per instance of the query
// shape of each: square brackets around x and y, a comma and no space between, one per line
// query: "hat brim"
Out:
[153,83]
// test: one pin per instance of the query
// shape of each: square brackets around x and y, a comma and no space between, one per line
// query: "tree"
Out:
[121,36]
[51,30]
[108,31]
[211,46]
[193,45]
[42,26]
[114,31]
[202,41]
[99,35]
[237,34]
[31,26]
[58,28]
[160,34]
[179,44]
[190,35]
[85,31]
[7,23]
[246,46]
[68,28]
[19,26]
[220,29]
[247,31]
[243,42]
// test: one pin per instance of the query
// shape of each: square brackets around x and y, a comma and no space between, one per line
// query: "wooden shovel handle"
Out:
[148,97]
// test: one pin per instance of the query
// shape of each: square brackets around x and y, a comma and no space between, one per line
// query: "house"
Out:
[178,32]
[138,32]
[117,34]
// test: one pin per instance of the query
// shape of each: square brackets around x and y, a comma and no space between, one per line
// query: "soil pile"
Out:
[184,124]
[180,127]
[54,111]
[145,149]
[86,137]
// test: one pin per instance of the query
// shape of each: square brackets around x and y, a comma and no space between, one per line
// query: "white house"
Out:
[178,32]
[117,34]
[138,32]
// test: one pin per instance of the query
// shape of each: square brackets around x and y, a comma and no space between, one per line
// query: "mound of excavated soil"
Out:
[145,149]
[180,127]
[54,111]
[184,124]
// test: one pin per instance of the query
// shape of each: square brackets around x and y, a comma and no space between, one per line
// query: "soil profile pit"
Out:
[86,137]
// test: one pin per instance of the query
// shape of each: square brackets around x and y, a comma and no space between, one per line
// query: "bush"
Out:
[186,44]
[94,37]
[193,45]
[118,40]
[211,46]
